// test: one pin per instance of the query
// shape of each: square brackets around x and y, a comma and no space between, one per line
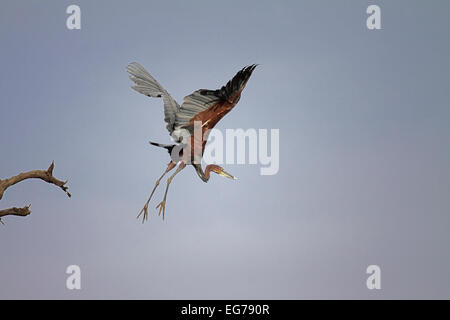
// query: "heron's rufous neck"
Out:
[204,175]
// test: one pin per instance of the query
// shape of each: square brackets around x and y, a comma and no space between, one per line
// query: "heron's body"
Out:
[200,111]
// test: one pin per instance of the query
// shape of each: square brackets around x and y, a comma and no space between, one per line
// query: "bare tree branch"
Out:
[45,175]
[16,211]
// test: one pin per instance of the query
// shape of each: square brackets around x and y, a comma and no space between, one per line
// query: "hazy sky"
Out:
[364,156]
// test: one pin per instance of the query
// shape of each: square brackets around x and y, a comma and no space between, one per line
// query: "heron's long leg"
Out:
[162,204]
[145,209]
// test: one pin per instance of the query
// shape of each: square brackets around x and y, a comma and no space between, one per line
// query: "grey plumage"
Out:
[148,86]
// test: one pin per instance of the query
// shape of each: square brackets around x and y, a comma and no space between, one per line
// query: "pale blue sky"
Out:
[364,160]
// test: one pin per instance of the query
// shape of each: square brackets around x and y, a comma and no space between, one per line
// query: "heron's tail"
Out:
[169,147]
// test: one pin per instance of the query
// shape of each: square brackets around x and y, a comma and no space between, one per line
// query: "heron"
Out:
[202,110]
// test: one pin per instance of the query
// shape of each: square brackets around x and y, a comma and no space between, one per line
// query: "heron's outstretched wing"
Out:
[147,85]
[209,106]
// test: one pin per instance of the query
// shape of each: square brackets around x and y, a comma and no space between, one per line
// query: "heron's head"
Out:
[221,172]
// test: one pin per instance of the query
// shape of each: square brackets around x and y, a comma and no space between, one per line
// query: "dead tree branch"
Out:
[45,175]
[16,211]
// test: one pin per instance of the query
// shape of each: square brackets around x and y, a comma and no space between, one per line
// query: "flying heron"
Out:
[200,110]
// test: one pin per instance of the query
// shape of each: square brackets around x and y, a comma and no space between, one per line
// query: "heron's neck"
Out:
[204,175]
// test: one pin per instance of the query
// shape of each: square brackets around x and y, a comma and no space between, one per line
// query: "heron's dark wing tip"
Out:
[250,68]
[238,82]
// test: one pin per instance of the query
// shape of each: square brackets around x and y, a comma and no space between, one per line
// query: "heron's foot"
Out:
[145,212]
[162,208]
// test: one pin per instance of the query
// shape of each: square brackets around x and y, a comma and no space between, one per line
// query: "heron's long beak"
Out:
[226,174]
